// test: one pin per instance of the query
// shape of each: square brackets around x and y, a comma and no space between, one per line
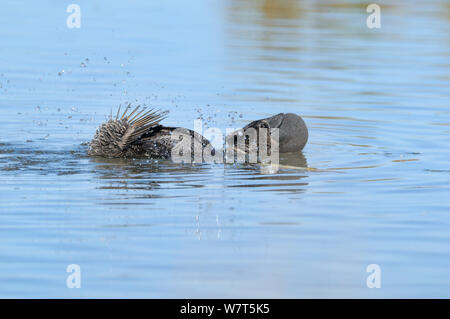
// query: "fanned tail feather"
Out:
[139,122]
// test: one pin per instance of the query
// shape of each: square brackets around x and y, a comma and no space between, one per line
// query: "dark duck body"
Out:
[139,133]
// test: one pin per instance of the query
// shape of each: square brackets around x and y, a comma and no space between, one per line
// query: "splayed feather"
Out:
[121,132]
[139,124]
[118,110]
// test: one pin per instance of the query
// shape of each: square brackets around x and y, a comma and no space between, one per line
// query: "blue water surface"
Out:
[371,186]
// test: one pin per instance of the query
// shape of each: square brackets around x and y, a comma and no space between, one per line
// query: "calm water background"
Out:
[372,185]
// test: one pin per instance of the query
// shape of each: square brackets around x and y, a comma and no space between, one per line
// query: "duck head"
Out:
[293,133]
